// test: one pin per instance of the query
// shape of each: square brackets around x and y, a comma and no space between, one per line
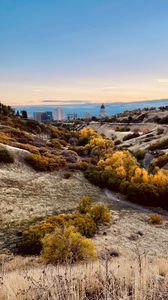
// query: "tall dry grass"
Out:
[108,279]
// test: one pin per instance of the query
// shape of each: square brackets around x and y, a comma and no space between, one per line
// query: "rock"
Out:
[140,233]
[113,253]
[133,237]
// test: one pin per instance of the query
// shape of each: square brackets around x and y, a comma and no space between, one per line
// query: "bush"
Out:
[163,144]
[28,147]
[81,165]
[67,175]
[5,138]
[117,142]
[85,221]
[38,162]
[155,219]
[130,136]
[6,156]
[49,162]
[66,246]
[122,129]
[100,213]
[70,156]
[160,162]
[31,239]
[85,225]
[139,154]
[160,130]
[85,205]
[55,143]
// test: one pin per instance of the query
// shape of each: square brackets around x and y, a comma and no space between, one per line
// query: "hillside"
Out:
[55,184]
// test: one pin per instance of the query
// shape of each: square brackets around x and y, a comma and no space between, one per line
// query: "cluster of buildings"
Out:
[58,115]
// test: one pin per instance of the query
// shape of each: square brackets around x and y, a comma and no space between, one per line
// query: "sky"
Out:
[83,50]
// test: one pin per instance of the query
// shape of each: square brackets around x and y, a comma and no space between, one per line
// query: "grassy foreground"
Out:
[112,279]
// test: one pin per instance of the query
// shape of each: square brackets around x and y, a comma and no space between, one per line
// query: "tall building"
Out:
[38,116]
[47,116]
[103,113]
[43,116]
[58,114]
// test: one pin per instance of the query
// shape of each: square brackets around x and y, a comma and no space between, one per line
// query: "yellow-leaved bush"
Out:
[121,172]
[45,162]
[84,223]
[66,245]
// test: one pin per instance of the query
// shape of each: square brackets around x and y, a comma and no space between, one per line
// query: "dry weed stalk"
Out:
[108,279]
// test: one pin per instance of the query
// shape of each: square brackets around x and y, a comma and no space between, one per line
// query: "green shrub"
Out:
[130,136]
[139,154]
[6,156]
[66,246]
[163,144]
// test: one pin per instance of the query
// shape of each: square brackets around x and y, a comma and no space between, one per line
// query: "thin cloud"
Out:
[108,88]
[66,101]
[36,91]
[163,81]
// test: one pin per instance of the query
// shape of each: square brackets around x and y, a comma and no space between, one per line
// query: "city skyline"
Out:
[95,51]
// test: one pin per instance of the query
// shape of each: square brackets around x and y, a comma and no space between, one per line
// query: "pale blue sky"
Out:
[98,50]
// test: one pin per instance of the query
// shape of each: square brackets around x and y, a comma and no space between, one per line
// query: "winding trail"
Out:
[127,204]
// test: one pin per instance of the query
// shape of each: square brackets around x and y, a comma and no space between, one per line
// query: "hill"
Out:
[55,184]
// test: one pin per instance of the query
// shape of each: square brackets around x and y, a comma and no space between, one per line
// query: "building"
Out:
[58,114]
[37,116]
[87,116]
[103,113]
[72,116]
[43,116]
[47,116]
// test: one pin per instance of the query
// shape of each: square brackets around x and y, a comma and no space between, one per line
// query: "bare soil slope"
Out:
[26,194]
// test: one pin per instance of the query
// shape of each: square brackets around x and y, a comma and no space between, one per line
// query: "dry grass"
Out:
[156,219]
[113,279]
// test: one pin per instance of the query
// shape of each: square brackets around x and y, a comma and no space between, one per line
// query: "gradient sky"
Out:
[97,50]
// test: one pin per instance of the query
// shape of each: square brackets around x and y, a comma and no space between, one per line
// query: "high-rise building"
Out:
[58,114]
[37,116]
[47,116]
[43,116]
